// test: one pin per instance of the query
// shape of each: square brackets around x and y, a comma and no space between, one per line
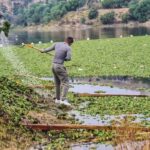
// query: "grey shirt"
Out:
[62,52]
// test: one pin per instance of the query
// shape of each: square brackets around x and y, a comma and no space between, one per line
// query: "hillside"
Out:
[10,4]
[74,12]
[75,18]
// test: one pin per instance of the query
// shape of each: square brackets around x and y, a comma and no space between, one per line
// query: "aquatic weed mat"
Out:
[103,57]
[113,105]
[16,100]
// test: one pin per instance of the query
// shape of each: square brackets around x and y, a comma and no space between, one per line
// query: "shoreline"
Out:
[68,27]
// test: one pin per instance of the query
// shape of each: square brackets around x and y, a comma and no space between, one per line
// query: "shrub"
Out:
[107,3]
[125,18]
[115,3]
[93,13]
[82,20]
[108,18]
[140,11]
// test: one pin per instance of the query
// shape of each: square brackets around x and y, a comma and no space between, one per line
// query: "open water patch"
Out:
[109,85]
[128,145]
[90,146]
[105,120]
[91,89]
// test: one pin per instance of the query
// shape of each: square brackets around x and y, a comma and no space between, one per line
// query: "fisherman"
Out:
[62,53]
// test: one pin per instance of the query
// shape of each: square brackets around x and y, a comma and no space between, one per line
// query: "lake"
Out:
[18,37]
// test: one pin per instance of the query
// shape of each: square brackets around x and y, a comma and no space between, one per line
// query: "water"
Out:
[91,146]
[129,145]
[118,86]
[106,119]
[117,81]
[91,89]
[18,37]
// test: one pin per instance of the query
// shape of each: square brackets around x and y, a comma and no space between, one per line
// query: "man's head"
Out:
[69,40]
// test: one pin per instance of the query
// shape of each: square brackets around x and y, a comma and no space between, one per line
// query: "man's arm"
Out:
[49,49]
[68,56]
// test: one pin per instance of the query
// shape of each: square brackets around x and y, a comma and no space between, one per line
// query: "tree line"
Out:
[42,13]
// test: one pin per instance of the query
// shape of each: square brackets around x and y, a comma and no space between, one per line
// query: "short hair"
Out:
[70,40]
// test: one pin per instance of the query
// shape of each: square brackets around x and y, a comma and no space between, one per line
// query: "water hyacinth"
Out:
[16,63]
[104,57]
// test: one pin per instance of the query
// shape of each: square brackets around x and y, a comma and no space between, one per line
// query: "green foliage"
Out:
[125,18]
[72,5]
[117,105]
[58,11]
[93,13]
[62,139]
[140,11]
[43,13]
[108,18]
[105,57]
[115,3]
[107,3]
[5,27]
[15,99]
[83,20]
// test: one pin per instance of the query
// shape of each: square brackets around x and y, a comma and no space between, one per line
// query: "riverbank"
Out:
[19,105]
[39,108]
[55,26]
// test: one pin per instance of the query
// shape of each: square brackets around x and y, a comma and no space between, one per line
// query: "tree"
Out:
[107,3]
[93,13]
[115,3]
[125,18]
[140,11]
[108,18]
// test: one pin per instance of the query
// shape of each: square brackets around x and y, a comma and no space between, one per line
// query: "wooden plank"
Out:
[47,127]
[104,95]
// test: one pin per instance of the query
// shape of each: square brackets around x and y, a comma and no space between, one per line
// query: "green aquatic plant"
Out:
[16,100]
[116,105]
[106,57]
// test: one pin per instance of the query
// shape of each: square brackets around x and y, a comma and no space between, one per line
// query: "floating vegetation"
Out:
[115,105]
[16,100]
[119,56]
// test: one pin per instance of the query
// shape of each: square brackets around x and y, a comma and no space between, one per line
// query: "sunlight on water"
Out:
[18,66]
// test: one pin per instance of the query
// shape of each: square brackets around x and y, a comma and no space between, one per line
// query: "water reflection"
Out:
[79,34]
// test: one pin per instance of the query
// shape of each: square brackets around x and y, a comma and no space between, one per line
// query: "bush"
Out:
[107,3]
[93,13]
[140,11]
[108,18]
[115,3]
[125,18]
[38,13]
[82,20]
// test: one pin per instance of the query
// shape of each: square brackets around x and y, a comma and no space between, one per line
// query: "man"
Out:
[62,53]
